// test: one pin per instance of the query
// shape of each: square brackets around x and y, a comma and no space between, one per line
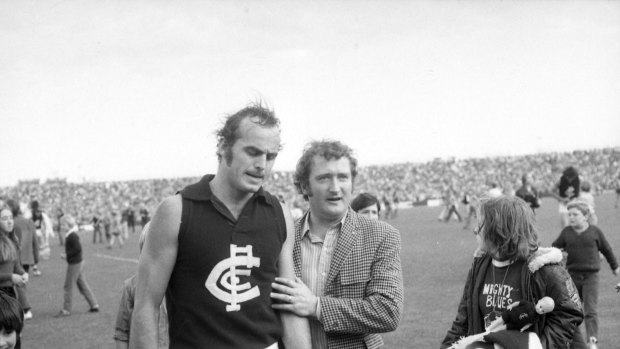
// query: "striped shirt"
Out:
[316,256]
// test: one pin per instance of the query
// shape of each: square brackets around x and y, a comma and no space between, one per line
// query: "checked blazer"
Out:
[364,288]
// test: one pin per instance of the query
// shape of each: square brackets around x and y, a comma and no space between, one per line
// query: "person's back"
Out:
[123,317]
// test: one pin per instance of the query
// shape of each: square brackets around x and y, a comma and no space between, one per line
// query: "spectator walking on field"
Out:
[97,228]
[527,192]
[75,268]
[586,196]
[565,190]
[116,228]
[29,251]
[583,242]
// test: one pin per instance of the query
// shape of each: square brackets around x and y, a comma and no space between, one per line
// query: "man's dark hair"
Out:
[327,149]
[228,134]
[364,200]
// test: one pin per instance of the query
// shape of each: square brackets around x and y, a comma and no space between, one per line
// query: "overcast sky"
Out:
[115,90]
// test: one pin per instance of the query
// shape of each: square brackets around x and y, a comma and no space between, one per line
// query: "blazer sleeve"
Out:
[460,326]
[563,321]
[380,308]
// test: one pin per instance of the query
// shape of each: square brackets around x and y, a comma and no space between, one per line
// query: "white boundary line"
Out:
[132,260]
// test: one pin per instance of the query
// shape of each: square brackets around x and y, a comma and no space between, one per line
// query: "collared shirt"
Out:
[316,256]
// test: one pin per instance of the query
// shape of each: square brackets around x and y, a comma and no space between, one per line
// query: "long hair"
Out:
[569,178]
[11,314]
[508,228]
[8,251]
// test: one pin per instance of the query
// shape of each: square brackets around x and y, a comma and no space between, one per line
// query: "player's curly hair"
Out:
[228,135]
[508,228]
[328,149]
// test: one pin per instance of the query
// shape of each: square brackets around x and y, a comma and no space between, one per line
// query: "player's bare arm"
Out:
[296,329]
[156,264]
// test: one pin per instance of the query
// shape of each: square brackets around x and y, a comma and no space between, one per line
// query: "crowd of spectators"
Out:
[415,182]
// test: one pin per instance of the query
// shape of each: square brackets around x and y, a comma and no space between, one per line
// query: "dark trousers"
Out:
[587,286]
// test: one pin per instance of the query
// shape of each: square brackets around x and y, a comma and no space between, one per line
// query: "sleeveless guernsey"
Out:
[218,293]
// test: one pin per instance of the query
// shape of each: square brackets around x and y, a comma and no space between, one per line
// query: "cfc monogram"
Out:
[226,271]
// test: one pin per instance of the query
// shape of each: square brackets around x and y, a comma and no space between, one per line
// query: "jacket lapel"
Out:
[297,245]
[346,241]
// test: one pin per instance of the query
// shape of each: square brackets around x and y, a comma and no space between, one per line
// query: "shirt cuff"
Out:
[318,308]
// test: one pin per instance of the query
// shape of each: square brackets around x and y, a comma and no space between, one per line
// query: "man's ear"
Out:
[305,190]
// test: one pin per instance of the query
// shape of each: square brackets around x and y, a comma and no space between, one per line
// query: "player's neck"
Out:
[233,199]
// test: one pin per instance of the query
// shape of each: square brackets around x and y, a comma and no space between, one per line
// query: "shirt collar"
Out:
[305,228]
[201,191]
[71,231]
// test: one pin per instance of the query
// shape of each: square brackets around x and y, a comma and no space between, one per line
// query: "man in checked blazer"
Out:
[349,278]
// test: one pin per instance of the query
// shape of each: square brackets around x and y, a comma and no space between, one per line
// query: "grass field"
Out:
[435,257]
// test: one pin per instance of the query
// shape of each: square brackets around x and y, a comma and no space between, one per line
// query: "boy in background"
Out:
[583,241]
[75,267]
[123,318]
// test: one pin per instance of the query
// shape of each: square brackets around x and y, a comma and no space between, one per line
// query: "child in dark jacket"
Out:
[75,267]
[582,242]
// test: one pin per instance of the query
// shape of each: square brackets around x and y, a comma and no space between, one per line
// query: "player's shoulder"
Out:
[169,210]
[171,203]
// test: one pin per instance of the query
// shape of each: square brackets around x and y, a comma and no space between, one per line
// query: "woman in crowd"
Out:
[565,190]
[11,272]
[509,267]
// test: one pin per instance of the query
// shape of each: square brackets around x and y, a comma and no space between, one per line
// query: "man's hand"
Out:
[294,296]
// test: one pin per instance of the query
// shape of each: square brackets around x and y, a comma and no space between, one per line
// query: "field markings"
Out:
[133,260]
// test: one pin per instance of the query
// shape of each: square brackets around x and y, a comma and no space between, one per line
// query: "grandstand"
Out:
[409,182]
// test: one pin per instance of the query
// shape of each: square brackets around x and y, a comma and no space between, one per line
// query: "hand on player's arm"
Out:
[294,296]
[296,328]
